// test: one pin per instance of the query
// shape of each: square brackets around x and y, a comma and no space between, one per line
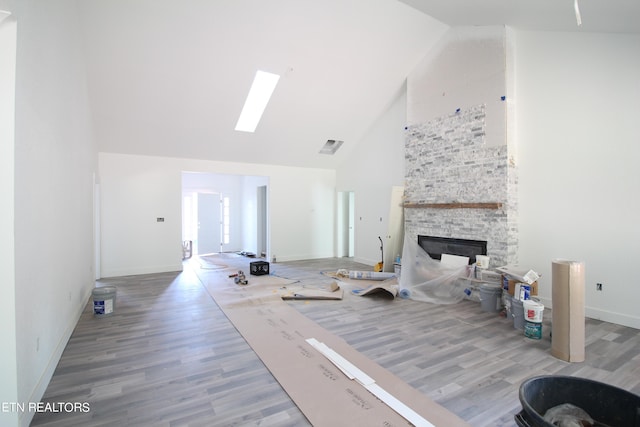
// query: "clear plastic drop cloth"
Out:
[426,279]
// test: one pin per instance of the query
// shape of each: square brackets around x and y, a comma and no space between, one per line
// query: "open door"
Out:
[208,223]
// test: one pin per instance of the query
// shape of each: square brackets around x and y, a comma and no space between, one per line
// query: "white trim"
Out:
[353,372]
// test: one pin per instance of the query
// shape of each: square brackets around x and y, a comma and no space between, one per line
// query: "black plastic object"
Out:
[258,268]
[606,404]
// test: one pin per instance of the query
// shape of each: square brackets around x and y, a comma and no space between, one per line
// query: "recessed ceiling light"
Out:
[331,146]
[263,85]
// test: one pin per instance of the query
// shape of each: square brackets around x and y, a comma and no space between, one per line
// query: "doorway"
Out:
[345,230]
[201,222]
[261,219]
[208,225]
[219,212]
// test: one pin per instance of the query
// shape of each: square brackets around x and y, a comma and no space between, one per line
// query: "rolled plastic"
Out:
[370,275]
[567,297]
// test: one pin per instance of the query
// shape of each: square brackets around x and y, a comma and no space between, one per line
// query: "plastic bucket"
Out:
[532,330]
[482,261]
[606,404]
[490,297]
[507,300]
[533,310]
[517,311]
[104,301]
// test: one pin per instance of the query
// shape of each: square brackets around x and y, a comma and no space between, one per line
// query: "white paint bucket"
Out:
[533,310]
[104,300]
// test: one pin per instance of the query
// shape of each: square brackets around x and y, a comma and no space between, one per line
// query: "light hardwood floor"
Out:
[168,356]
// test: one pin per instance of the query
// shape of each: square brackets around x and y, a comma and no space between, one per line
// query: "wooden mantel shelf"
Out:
[490,205]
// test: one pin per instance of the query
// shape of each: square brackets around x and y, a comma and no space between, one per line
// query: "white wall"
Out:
[466,68]
[374,167]
[577,110]
[8,361]
[55,158]
[138,189]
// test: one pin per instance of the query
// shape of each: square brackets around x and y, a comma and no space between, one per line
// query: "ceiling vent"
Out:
[331,146]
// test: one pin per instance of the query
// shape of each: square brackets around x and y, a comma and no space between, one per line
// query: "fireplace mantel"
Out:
[490,205]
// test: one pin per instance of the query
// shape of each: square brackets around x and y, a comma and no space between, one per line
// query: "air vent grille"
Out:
[331,146]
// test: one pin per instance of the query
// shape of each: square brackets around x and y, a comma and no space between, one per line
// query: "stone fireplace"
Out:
[457,186]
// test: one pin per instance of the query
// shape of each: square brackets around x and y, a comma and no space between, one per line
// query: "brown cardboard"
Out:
[567,327]
[512,286]
[327,397]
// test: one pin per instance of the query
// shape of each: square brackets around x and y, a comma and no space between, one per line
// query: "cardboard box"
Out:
[511,286]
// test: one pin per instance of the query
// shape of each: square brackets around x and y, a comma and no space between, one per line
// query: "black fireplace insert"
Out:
[436,246]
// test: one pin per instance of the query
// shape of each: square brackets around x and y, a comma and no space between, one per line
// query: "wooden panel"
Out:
[491,205]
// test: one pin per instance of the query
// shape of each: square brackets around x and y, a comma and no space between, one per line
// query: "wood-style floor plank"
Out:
[168,356]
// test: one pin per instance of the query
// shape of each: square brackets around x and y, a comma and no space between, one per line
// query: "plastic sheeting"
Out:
[426,279]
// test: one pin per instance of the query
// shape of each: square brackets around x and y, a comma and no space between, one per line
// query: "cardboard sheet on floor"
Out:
[278,334]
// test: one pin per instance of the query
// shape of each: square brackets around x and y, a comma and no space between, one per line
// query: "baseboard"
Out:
[365,261]
[604,315]
[285,258]
[140,270]
[611,317]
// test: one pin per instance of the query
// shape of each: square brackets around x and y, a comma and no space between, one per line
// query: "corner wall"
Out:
[578,103]
[55,159]
[372,170]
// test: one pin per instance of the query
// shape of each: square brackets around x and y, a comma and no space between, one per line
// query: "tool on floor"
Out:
[240,278]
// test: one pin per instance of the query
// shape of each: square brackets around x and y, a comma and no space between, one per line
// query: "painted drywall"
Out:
[8,361]
[137,189]
[55,158]
[374,167]
[577,107]
[466,68]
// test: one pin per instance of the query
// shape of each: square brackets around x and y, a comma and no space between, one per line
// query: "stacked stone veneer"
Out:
[448,161]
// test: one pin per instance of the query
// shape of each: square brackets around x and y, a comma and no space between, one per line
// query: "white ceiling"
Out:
[169,78]
[607,16]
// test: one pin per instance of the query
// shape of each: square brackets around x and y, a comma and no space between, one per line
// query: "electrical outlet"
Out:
[598,286]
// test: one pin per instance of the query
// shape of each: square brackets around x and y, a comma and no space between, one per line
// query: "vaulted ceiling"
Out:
[169,78]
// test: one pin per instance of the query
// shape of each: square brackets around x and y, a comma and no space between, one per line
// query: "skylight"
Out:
[263,85]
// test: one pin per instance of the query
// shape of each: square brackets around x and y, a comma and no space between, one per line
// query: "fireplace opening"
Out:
[436,246]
